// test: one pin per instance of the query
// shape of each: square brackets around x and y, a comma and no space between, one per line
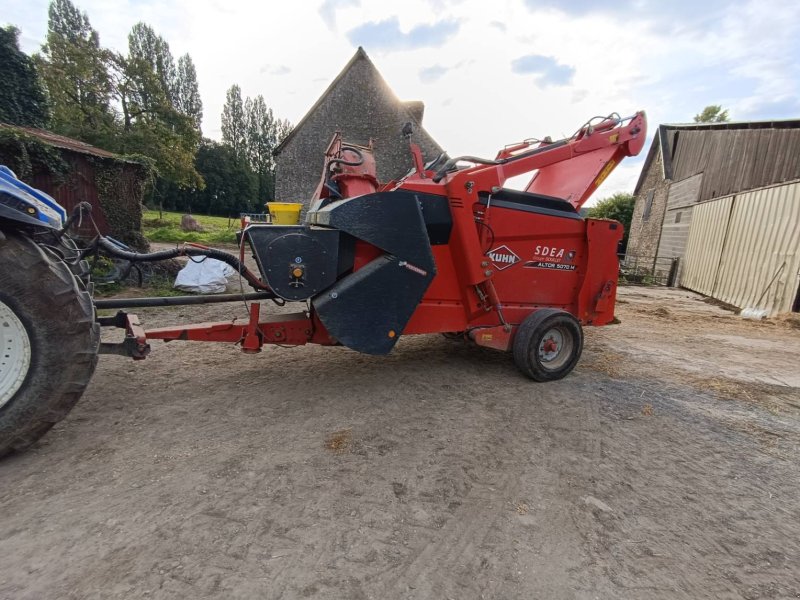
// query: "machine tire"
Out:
[53,308]
[532,335]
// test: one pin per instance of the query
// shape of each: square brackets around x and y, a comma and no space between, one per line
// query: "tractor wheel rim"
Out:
[555,348]
[15,353]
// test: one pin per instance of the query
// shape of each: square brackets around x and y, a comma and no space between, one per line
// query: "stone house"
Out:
[360,104]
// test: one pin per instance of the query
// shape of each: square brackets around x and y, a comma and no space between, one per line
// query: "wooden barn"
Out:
[360,104]
[72,171]
[724,200]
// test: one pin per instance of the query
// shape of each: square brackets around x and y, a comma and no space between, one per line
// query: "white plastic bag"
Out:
[204,276]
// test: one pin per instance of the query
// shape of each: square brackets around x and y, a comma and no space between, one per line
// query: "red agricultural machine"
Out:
[446,249]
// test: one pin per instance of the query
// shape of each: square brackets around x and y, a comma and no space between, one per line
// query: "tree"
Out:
[22,97]
[261,141]
[712,113]
[187,94]
[231,186]
[75,72]
[284,128]
[152,60]
[234,126]
[618,207]
[145,86]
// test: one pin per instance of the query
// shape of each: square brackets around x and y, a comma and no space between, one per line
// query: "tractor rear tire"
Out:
[548,344]
[50,341]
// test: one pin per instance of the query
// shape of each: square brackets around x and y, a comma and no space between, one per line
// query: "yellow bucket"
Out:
[285,213]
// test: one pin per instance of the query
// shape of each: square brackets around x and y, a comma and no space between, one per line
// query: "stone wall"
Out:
[361,106]
[645,232]
[678,217]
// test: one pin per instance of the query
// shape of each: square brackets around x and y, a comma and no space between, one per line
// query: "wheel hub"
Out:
[15,353]
[551,345]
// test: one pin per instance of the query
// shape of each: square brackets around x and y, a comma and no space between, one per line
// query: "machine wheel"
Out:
[48,342]
[548,344]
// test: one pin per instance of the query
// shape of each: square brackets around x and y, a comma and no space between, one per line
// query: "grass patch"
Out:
[170,234]
[167,228]
[159,286]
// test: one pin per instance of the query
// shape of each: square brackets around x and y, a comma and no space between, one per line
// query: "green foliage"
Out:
[231,185]
[151,62]
[117,185]
[157,285]
[152,124]
[712,113]
[618,207]
[261,137]
[262,134]
[176,235]
[138,103]
[75,71]
[216,230]
[187,94]
[234,122]
[161,286]
[170,142]
[22,97]
[284,128]
[27,155]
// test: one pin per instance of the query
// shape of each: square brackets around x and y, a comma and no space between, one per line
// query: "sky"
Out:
[489,73]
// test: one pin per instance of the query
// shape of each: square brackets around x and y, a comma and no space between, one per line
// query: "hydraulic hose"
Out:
[440,174]
[351,163]
[134,257]
[454,161]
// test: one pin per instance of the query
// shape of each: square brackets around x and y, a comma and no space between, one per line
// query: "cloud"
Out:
[500,26]
[676,9]
[275,69]
[579,96]
[386,35]
[546,68]
[572,7]
[432,73]
[787,107]
[328,8]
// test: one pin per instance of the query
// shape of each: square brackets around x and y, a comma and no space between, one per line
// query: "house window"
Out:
[648,205]
[678,217]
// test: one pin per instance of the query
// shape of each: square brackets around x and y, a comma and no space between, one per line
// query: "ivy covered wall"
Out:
[115,187]
[121,188]
[26,155]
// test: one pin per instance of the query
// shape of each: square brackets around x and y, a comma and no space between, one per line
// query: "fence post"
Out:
[673,272]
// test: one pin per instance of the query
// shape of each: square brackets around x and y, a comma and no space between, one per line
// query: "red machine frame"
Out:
[466,293]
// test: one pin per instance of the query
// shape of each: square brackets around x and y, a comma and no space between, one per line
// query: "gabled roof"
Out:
[661,140]
[414,108]
[63,142]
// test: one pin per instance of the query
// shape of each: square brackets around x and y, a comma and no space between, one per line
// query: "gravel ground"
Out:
[664,466]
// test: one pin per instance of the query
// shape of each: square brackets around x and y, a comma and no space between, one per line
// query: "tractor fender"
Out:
[9,214]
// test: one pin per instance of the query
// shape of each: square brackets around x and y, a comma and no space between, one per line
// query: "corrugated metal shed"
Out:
[733,156]
[705,244]
[734,160]
[745,249]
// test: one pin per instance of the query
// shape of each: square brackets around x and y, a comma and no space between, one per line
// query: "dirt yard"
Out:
[667,465]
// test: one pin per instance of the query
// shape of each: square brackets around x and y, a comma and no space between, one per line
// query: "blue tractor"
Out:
[49,338]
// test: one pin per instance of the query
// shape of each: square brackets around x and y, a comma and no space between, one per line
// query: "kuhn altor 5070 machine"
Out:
[446,249]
